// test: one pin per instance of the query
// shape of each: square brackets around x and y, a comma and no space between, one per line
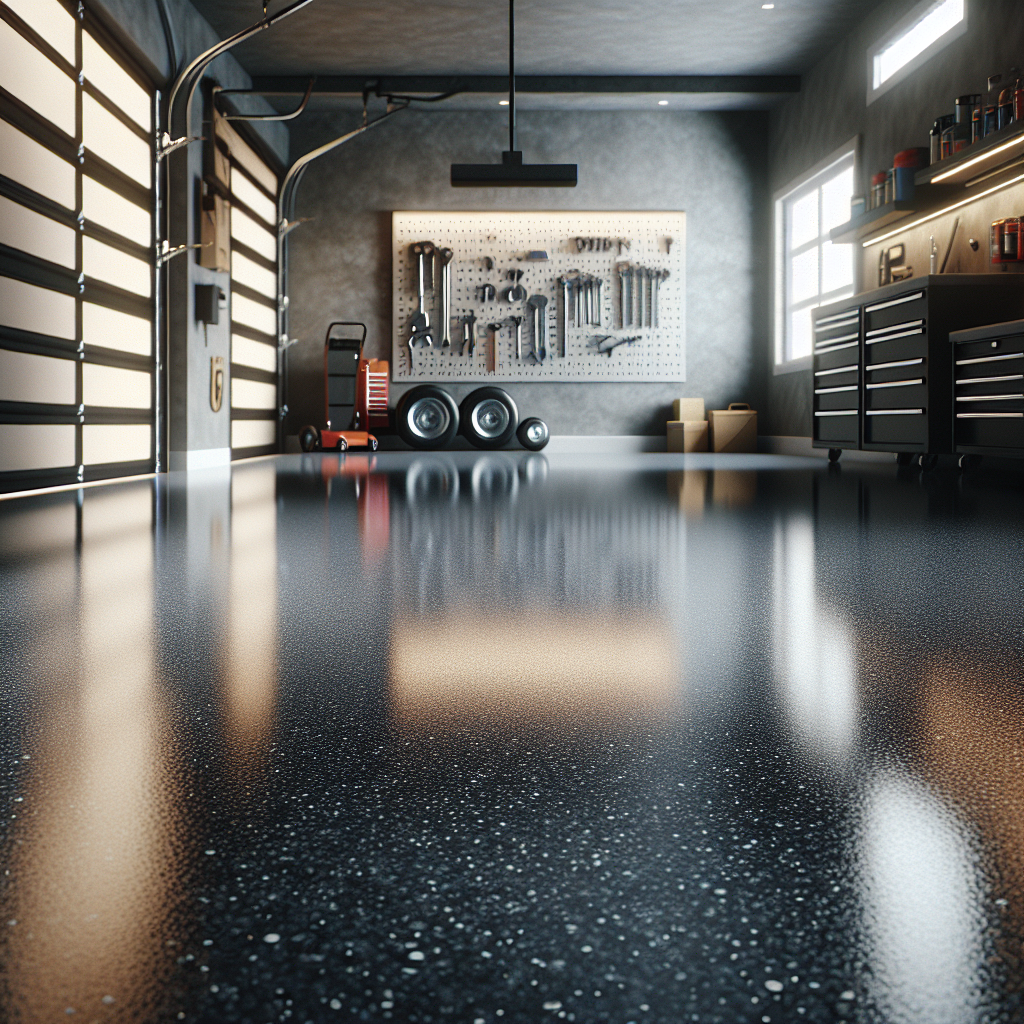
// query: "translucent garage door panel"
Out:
[107,328]
[27,446]
[103,442]
[36,81]
[115,388]
[105,207]
[253,433]
[253,353]
[249,233]
[248,272]
[105,263]
[25,377]
[112,141]
[253,197]
[31,232]
[253,314]
[26,307]
[51,21]
[116,84]
[252,394]
[25,161]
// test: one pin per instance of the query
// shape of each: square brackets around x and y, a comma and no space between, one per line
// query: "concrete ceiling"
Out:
[553,37]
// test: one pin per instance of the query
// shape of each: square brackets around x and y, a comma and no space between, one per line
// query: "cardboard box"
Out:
[688,409]
[733,429]
[687,435]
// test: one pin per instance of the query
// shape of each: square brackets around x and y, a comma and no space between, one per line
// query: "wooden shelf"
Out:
[980,159]
[872,220]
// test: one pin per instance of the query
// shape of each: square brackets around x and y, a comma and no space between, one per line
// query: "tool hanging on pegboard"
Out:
[542,275]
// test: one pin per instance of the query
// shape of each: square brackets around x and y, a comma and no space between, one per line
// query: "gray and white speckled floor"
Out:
[505,739]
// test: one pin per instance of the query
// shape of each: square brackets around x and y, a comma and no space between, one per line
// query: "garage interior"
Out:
[330,695]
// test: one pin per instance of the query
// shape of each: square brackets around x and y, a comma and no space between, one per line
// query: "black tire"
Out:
[309,439]
[489,418]
[969,462]
[533,434]
[928,461]
[904,458]
[835,454]
[373,444]
[427,417]
[342,445]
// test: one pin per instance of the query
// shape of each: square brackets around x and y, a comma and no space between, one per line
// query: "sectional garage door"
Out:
[76,242]
[253,211]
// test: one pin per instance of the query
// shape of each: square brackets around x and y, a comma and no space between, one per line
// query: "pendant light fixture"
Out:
[512,172]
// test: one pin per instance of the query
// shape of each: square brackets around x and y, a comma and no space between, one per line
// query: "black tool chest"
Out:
[882,370]
[988,390]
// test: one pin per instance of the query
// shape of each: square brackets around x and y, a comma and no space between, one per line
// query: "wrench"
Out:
[621,269]
[486,293]
[419,326]
[492,351]
[565,284]
[468,334]
[606,342]
[655,284]
[538,303]
[598,301]
[517,323]
[445,256]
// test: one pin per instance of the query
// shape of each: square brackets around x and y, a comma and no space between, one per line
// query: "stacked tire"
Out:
[428,418]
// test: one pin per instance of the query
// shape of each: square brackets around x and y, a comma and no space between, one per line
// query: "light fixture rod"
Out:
[511,76]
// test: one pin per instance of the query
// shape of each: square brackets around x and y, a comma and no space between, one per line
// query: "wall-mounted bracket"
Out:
[285,343]
[166,145]
[164,252]
[286,227]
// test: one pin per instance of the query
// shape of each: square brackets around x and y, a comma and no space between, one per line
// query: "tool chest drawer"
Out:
[901,342]
[844,396]
[897,394]
[898,310]
[842,357]
[988,389]
[837,426]
[894,370]
[837,328]
[837,376]
[902,426]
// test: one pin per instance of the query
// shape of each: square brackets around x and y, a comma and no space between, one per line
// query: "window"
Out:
[927,29]
[77,357]
[810,269]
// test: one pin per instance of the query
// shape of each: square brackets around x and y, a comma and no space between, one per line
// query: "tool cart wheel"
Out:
[928,461]
[835,454]
[309,439]
[342,445]
[904,458]
[969,462]
[373,444]
[489,417]
[427,417]
[533,434]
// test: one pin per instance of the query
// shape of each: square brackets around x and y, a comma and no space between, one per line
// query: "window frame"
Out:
[807,182]
[919,12]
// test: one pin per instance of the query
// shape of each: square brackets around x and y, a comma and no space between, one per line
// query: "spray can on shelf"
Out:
[935,136]
[1011,240]
[996,241]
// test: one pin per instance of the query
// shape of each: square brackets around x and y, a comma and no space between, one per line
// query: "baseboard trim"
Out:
[203,458]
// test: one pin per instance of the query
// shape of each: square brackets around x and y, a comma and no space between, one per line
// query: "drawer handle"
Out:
[838,369]
[990,359]
[990,398]
[851,315]
[893,337]
[835,391]
[838,412]
[898,362]
[895,327]
[991,380]
[894,302]
[895,412]
[841,337]
[819,350]
[990,415]
[896,384]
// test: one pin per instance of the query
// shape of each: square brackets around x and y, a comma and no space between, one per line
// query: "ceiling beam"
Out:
[353,85]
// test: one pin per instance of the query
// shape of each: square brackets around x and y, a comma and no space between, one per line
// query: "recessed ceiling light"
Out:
[502,103]
[662,103]
[767,7]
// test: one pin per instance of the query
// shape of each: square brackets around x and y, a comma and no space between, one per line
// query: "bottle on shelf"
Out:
[1005,115]
[935,136]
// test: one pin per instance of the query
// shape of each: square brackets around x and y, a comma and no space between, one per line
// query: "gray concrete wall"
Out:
[831,108]
[710,165]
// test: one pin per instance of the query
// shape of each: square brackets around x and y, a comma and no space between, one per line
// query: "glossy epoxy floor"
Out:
[510,739]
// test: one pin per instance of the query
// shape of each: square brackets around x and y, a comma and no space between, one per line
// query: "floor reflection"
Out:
[510,737]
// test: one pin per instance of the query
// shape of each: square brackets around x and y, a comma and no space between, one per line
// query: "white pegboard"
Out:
[659,355]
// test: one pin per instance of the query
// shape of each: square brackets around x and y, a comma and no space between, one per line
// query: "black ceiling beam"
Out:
[353,85]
